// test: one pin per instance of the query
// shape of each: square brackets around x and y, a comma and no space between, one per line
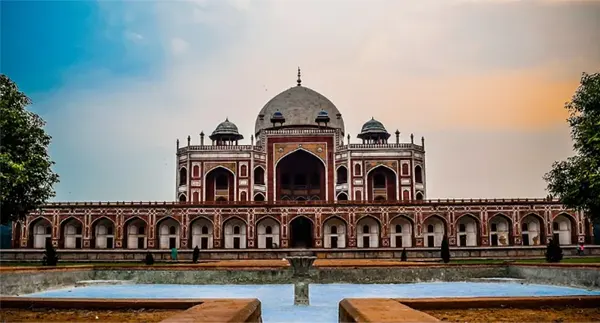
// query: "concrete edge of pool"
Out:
[387,310]
[350,309]
[193,310]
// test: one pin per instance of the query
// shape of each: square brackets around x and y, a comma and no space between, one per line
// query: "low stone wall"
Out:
[409,309]
[195,310]
[125,255]
[407,274]
[222,310]
[565,274]
[379,310]
[32,281]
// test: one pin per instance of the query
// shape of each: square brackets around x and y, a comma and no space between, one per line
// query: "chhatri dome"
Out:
[300,106]
[226,130]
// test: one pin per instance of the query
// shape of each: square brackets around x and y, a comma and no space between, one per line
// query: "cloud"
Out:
[179,46]
[451,71]
[133,36]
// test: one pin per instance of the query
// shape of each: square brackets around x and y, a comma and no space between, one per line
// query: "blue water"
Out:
[277,300]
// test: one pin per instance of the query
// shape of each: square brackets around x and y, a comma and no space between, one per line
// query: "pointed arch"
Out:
[564,228]
[71,233]
[418,174]
[301,230]
[368,230]
[294,181]
[334,232]
[234,233]
[533,229]
[210,189]
[259,175]
[135,233]
[103,232]
[182,176]
[401,230]
[168,229]
[500,227]
[100,218]
[435,227]
[467,228]
[341,174]
[39,232]
[382,183]
[268,231]
[201,231]
[296,150]
[259,197]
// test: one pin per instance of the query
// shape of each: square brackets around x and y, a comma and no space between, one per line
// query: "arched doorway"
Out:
[382,184]
[301,233]
[40,233]
[219,185]
[300,175]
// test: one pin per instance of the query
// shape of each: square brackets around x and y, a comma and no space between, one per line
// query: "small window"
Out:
[236,230]
[398,228]
[183,176]
[404,169]
[525,227]
[269,230]
[494,227]
[333,229]
[141,230]
[462,227]
[430,228]
[78,230]
[365,229]
[172,229]
[342,175]
[555,226]
[418,175]
[204,229]
[109,230]
[48,230]
[259,176]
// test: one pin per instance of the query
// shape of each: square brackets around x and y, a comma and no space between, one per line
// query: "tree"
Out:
[403,256]
[149,259]
[196,255]
[576,180]
[50,255]
[445,250]
[26,177]
[554,251]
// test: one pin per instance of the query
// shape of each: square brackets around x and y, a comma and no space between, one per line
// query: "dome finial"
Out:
[299,79]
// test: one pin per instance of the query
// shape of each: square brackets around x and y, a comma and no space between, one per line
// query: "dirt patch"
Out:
[564,314]
[77,315]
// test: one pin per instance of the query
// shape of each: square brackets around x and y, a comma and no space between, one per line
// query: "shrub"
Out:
[445,250]
[554,251]
[149,259]
[196,254]
[403,256]
[50,255]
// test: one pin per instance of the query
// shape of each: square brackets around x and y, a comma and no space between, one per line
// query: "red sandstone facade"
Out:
[300,186]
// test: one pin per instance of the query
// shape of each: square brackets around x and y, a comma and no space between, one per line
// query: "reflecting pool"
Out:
[277,300]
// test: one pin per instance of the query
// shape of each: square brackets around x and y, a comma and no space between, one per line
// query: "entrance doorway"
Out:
[301,233]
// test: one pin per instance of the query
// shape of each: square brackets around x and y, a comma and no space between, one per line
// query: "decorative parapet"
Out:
[430,202]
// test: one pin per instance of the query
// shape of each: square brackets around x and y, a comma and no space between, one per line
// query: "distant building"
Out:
[301,183]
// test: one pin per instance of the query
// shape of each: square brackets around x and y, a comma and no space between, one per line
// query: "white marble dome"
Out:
[299,106]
